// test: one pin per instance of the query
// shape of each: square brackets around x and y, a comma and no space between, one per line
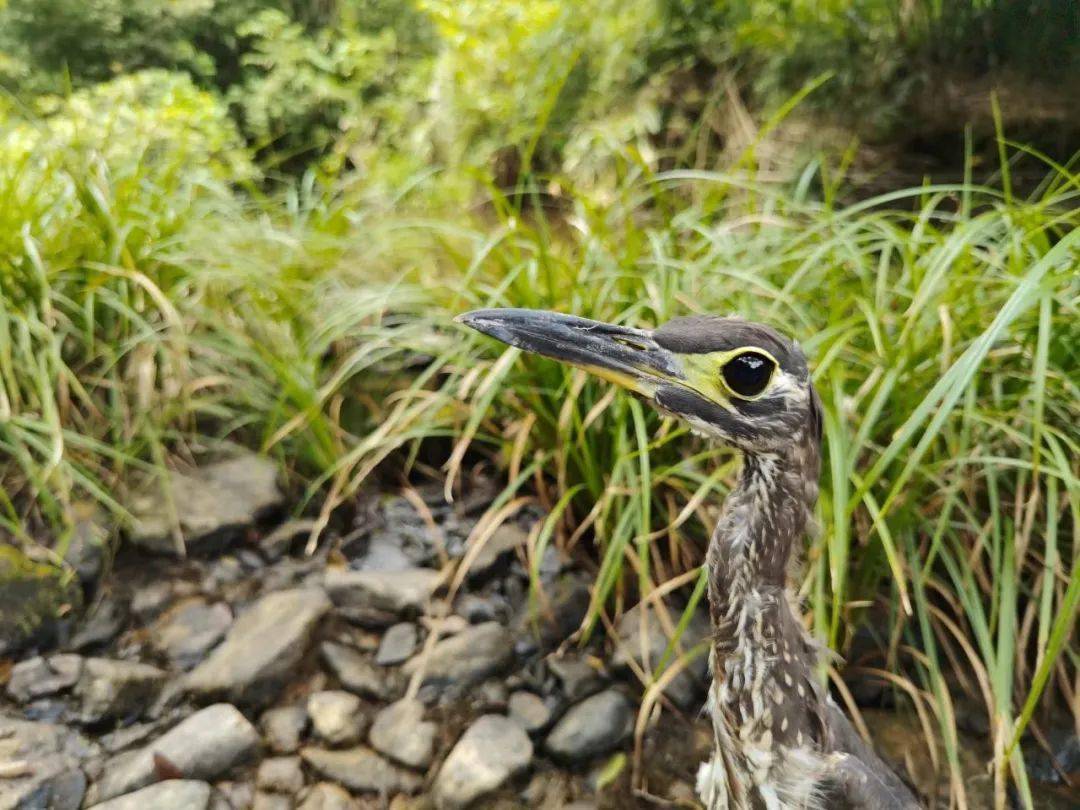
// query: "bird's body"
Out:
[781,743]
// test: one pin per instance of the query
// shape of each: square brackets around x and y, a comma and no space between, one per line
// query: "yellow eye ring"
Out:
[747,375]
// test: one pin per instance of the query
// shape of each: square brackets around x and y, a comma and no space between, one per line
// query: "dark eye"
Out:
[748,374]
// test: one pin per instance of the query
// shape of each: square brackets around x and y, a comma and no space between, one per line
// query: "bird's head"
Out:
[739,382]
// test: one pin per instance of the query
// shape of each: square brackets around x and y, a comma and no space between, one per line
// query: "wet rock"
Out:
[284,728]
[577,679]
[492,751]
[466,658]
[397,645]
[186,633]
[336,716]
[175,794]
[529,711]
[280,775]
[595,726]
[109,689]
[327,796]
[271,801]
[40,677]
[262,649]
[355,672]
[51,777]
[399,592]
[502,545]
[100,626]
[642,639]
[361,770]
[279,542]
[401,733]
[212,503]
[204,746]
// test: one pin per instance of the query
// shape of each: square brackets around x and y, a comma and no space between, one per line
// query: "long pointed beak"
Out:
[625,356]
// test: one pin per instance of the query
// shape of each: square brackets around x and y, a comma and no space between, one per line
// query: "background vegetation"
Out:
[255,221]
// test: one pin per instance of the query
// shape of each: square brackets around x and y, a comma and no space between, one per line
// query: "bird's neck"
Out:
[764,519]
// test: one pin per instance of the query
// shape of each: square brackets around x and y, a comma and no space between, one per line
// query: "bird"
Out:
[780,741]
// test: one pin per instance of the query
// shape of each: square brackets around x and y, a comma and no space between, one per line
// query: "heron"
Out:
[780,741]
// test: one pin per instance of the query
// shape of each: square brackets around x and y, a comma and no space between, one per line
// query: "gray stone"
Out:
[336,716]
[641,639]
[40,677]
[187,632]
[577,679]
[239,795]
[284,727]
[280,775]
[43,765]
[111,689]
[595,726]
[212,503]
[401,733]
[400,592]
[327,796]
[529,711]
[501,545]
[466,658]
[543,624]
[362,770]
[356,673]
[100,626]
[149,600]
[175,794]
[384,554]
[262,649]
[492,751]
[88,542]
[204,746]
[397,645]
[271,801]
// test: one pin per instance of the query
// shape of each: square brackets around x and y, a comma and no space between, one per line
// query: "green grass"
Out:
[147,311]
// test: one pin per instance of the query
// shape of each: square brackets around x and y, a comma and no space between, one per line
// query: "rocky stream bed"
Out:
[255,675]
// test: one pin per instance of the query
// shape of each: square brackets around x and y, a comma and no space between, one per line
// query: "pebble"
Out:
[362,770]
[336,716]
[499,547]
[397,645]
[109,689]
[467,658]
[204,746]
[284,727]
[52,754]
[595,726]
[547,623]
[40,677]
[355,672]
[401,733]
[280,775]
[100,626]
[327,796]
[263,648]
[399,592]
[175,794]
[239,795]
[637,634]
[493,750]
[577,679]
[271,801]
[187,632]
[529,711]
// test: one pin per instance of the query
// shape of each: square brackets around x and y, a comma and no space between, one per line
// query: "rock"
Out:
[507,539]
[204,746]
[148,601]
[40,677]
[262,649]
[280,775]
[271,801]
[384,554]
[326,796]
[397,645]
[336,716]
[545,623]
[187,632]
[175,794]
[239,795]
[1063,758]
[595,726]
[401,733]
[400,592]
[88,542]
[284,727]
[492,751]
[529,711]
[466,658]
[362,770]
[34,598]
[213,504]
[100,626]
[356,673]
[641,639]
[576,678]
[277,543]
[52,755]
[111,689]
